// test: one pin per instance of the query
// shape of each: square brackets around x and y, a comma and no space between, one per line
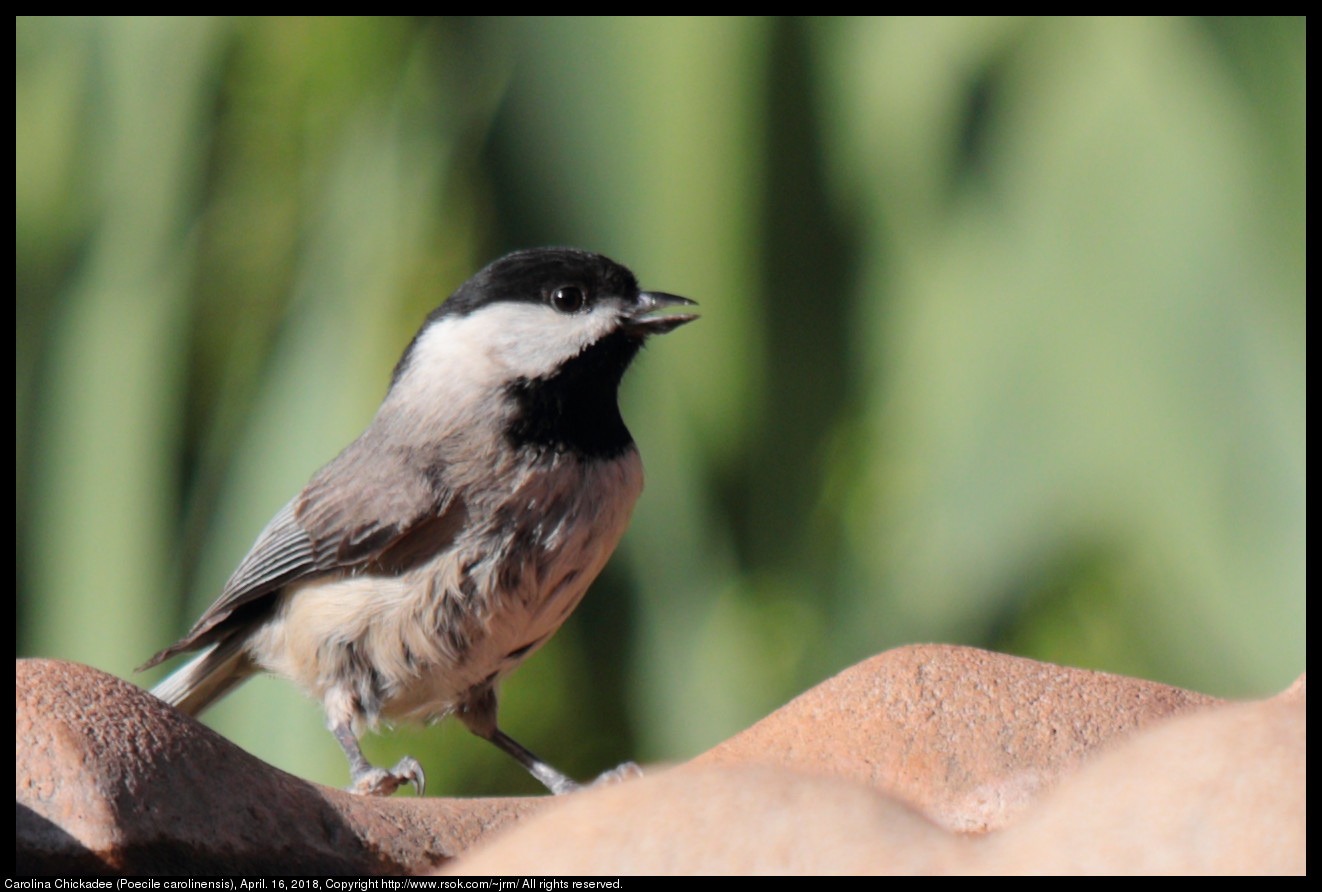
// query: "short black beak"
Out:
[641,323]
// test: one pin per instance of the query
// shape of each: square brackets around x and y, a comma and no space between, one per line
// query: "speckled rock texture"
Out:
[967,737]
[108,779]
[925,759]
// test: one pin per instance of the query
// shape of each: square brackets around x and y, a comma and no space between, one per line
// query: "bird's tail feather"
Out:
[207,677]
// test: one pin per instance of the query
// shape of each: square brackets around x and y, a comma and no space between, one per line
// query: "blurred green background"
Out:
[1003,341]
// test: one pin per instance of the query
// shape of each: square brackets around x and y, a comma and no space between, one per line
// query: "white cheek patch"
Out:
[498,343]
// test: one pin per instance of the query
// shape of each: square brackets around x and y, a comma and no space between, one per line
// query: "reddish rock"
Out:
[968,737]
[1224,791]
[1075,771]
[721,820]
[1298,690]
[1221,789]
[108,779]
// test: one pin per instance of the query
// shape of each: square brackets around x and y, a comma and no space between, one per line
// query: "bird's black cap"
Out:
[533,275]
[544,275]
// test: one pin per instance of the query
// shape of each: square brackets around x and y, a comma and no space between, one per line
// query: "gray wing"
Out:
[369,509]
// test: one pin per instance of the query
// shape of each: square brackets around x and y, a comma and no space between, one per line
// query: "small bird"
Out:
[452,538]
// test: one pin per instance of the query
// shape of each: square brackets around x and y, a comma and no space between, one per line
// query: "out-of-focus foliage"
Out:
[1003,337]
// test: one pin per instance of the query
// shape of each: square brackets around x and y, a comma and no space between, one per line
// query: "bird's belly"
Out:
[419,645]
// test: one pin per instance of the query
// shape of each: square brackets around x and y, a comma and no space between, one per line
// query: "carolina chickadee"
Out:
[454,536]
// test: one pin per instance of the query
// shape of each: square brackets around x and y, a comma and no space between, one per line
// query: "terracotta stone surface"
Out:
[1296,691]
[1039,769]
[721,820]
[1217,790]
[110,780]
[1222,791]
[968,737]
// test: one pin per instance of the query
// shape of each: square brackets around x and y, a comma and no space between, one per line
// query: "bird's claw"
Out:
[618,774]
[379,782]
[559,784]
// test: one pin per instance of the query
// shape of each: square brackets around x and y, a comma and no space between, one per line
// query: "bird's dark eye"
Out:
[568,299]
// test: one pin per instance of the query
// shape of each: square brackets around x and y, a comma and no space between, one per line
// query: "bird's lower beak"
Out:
[639,322]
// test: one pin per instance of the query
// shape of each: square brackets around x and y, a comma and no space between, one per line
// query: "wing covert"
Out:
[367,507]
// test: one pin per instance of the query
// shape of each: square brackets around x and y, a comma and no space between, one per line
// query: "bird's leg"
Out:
[364,777]
[479,715]
[368,780]
[553,780]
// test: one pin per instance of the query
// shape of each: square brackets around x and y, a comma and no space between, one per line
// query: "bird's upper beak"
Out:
[639,322]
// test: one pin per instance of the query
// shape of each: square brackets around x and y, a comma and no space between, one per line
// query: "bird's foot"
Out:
[560,785]
[618,775]
[379,782]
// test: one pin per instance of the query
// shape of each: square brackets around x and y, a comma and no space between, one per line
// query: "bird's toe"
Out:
[618,774]
[380,782]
